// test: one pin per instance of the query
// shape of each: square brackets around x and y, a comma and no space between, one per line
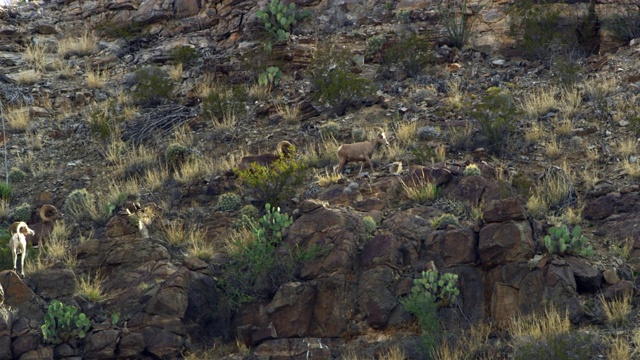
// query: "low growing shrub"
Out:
[279,17]
[561,241]
[22,212]
[79,204]
[176,155]
[472,170]
[154,86]
[443,222]
[16,175]
[496,115]
[5,191]
[274,183]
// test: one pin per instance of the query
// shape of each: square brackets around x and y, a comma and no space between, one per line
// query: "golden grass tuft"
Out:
[175,233]
[619,349]
[534,133]
[539,326]
[205,86]
[407,132]
[95,79]
[626,147]
[217,350]
[289,113]
[175,72]
[328,178]
[631,169]
[421,192]
[617,310]
[194,169]
[35,55]
[227,123]
[28,77]
[320,154]
[239,240]
[552,149]
[78,46]
[563,127]
[18,119]
[260,93]
[199,247]
[393,352]
[91,289]
[539,102]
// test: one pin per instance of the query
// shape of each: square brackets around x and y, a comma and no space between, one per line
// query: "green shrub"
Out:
[412,55]
[225,101]
[625,23]
[572,345]
[279,17]
[22,212]
[79,204]
[561,241]
[16,175]
[260,266]
[329,130]
[374,45]
[472,170]
[127,31]
[104,119]
[6,191]
[229,202]
[444,221]
[154,86]
[496,116]
[334,83]
[185,55]
[369,224]
[6,259]
[176,155]
[248,214]
[63,323]
[274,183]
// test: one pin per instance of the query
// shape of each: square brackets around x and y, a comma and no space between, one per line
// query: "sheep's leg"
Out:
[370,164]
[24,253]
[14,252]
[341,166]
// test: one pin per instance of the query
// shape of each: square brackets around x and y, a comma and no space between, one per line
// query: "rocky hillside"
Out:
[130,117]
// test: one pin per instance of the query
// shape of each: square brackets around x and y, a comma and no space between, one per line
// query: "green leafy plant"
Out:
[5,191]
[154,86]
[472,170]
[185,55]
[229,202]
[115,317]
[334,83]
[561,241]
[225,100]
[63,323]
[496,116]
[176,154]
[457,20]
[22,212]
[279,17]
[374,45]
[624,23]
[276,182]
[369,224]
[443,222]
[270,77]
[16,175]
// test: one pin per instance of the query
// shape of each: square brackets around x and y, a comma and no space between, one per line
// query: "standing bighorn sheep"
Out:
[284,150]
[360,151]
[18,243]
[49,214]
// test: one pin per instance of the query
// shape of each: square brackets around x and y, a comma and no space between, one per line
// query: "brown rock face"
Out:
[504,210]
[449,248]
[501,243]
[102,344]
[5,334]
[291,309]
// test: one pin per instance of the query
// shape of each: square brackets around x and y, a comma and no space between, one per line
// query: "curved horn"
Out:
[13,228]
[284,148]
[44,209]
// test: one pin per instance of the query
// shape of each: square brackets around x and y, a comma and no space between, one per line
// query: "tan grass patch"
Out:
[5,209]
[553,190]
[552,149]
[321,154]
[617,310]
[35,55]
[95,79]
[65,69]
[407,132]
[328,178]
[289,114]
[18,118]
[205,86]
[597,88]
[539,102]
[260,93]
[239,240]
[619,349]
[34,140]
[563,127]
[199,248]
[78,46]
[217,350]
[115,150]
[539,326]
[441,153]
[184,135]
[394,152]
[154,178]
[194,169]
[394,352]
[28,77]
[421,192]
[534,133]
[626,147]
[454,95]
[175,72]
[90,288]
[571,100]
[631,169]
[175,233]
[227,123]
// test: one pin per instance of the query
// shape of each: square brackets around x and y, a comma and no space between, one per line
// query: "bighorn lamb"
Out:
[360,151]
[49,214]
[284,150]
[18,243]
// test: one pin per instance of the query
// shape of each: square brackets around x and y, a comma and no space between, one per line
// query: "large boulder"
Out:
[448,248]
[502,243]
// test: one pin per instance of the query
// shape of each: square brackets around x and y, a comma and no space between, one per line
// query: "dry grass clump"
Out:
[35,55]
[393,352]
[328,178]
[78,46]
[551,194]
[534,133]
[239,240]
[226,123]
[154,178]
[617,310]
[626,147]
[200,248]
[539,102]
[539,326]
[563,127]
[28,77]
[421,192]
[289,113]
[17,118]
[407,132]
[175,72]
[552,149]
[320,154]
[631,169]
[91,289]
[95,79]
[619,349]
[218,350]
[175,233]
[194,169]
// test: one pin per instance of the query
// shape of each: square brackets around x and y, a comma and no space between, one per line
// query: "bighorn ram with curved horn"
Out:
[49,214]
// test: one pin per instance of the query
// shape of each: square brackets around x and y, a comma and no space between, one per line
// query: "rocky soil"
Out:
[169,303]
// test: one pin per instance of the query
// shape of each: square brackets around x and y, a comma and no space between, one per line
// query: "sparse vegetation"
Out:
[275,183]
[153,86]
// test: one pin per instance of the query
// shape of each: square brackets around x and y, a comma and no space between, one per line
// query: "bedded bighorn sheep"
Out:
[48,214]
[360,151]
[18,243]
[284,150]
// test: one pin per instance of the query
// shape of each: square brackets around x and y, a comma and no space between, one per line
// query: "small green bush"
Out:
[6,191]
[185,55]
[248,214]
[6,259]
[154,86]
[496,115]
[279,17]
[22,212]
[374,45]
[624,24]
[334,83]
[229,202]
[63,323]
[457,20]
[472,170]
[274,183]
[329,130]
[444,221]
[128,31]
[79,204]
[561,241]
[176,155]
[369,224]
[227,100]
[16,175]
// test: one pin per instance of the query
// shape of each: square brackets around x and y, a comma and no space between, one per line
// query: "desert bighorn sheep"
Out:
[284,150]
[360,151]
[49,214]
[18,243]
